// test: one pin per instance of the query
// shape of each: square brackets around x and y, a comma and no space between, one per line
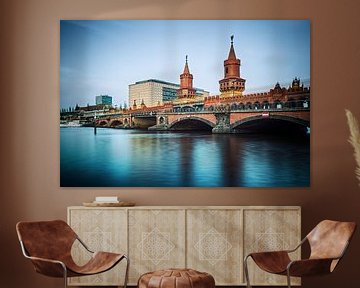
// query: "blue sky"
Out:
[105,56]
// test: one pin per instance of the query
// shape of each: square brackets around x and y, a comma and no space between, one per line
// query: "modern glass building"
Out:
[104,100]
[155,92]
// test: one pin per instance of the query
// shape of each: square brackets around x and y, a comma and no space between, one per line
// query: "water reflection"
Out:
[130,158]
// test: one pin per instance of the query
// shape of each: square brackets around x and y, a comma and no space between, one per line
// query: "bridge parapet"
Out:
[226,121]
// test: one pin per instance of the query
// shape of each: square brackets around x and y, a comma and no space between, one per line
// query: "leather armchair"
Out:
[328,243]
[48,245]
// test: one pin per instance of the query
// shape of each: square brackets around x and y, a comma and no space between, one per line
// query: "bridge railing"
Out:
[245,109]
[203,110]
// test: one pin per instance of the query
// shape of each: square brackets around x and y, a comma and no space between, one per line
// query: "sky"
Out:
[102,57]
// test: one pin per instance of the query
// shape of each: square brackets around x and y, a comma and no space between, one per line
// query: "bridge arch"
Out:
[161,120]
[115,122]
[256,105]
[278,104]
[234,106]
[102,122]
[251,121]
[191,123]
[248,106]
[265,104]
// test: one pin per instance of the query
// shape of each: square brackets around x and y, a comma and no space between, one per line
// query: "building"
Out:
[187,98]
[232,87]
[232,84]
[154,92]
[105,100]
[186,83]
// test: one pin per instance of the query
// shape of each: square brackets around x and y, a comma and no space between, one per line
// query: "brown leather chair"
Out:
[48,245]
[328,242]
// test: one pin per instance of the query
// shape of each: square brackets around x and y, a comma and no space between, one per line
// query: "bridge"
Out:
[218,121]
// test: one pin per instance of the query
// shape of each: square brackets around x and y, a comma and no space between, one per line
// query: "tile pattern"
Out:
[213,240]
[270,230]
[156,241]
[214,244]
[156,246]
[100,230]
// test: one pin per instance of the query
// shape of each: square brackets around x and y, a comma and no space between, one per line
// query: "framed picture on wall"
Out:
[184,103]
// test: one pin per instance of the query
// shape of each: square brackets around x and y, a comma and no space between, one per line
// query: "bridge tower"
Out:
[232,84]
[186,83]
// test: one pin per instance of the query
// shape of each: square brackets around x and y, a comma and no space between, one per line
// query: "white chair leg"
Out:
[288,278]
[246,270]
[65,275]
[126,271]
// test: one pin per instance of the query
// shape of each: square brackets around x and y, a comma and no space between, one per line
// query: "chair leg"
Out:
[288,278]
[65,276]
[126,271]
[246,270]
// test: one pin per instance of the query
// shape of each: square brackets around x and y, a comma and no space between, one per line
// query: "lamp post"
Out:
[95,123]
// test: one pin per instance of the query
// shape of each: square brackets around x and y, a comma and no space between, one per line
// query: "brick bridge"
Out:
[225,121]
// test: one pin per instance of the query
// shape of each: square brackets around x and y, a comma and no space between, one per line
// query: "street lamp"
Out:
[95,123]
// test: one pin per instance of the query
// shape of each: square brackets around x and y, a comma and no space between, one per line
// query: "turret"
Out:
[232,84]
[186,83]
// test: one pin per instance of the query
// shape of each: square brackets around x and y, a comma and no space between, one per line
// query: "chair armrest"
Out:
[45,260]
[281,251]
[84,245]
[48,267]
[309,267]
[298,246]
[268,253]
[271,261]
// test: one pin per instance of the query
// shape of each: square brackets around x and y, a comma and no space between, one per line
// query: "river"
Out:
[139,158]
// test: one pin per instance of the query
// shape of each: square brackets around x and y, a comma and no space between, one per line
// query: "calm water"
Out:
[140,158]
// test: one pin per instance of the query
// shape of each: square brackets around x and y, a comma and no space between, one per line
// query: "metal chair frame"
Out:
[26,255]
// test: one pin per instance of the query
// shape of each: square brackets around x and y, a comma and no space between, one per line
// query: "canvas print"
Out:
[185,103]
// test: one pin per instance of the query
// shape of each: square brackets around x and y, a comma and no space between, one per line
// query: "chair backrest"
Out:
[329,239]
[46,239]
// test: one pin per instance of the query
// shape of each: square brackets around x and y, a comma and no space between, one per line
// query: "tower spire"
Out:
[186,68]
[232,55]
[186,83]
[232,84]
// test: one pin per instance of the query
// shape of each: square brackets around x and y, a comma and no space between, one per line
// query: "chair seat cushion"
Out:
[99,262]
[176,278]
[272,262]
